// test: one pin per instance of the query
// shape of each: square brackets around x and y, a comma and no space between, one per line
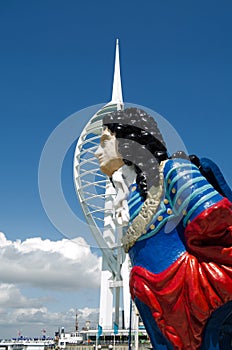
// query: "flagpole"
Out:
[137,332]
[115,332]
[96,338]
[130,325]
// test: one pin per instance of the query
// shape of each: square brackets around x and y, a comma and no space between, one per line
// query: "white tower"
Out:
[96,195]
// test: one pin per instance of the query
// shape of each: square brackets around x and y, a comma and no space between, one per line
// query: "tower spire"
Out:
[117,86]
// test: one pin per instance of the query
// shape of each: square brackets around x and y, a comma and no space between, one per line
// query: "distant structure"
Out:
[96,195]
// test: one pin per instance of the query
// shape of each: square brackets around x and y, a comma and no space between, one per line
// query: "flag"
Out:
[99,331]
[115,328]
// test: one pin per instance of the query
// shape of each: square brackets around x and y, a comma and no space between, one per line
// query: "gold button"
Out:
[173,190]
[169,211]
[179,201]
[160,218]
[189,221]
[133,188]
[184,212]
[166,201]
[152,227]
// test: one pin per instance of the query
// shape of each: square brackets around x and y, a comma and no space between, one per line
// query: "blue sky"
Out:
[56,58]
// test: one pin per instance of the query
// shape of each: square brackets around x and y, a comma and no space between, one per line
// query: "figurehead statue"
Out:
[178,235]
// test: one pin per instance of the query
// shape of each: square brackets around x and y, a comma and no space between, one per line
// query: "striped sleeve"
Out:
[187,190]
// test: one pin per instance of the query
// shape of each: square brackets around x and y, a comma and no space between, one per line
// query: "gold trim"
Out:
[146,214]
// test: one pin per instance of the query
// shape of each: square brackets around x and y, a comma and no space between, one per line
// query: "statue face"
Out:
[107,153]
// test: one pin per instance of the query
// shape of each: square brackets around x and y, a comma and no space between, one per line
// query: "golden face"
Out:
[107,153]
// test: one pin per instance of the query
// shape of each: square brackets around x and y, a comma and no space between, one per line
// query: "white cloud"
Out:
[30,316]
[52,274]
[10,296]
[59,265]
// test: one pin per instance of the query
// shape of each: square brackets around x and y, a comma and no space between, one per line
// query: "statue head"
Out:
[107,153]
[137,142]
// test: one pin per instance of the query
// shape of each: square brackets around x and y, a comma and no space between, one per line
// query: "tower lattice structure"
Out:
[96,195]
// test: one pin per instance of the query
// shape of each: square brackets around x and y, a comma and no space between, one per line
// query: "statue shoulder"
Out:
[178,165]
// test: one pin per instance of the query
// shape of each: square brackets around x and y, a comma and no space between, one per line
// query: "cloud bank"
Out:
[28,317]
[59,265]
[50,272]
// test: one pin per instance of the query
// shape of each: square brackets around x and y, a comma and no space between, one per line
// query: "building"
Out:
[96,195]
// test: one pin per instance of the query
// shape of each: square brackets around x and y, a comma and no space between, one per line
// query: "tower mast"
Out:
[76,322]
[117,85]
[98,210]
